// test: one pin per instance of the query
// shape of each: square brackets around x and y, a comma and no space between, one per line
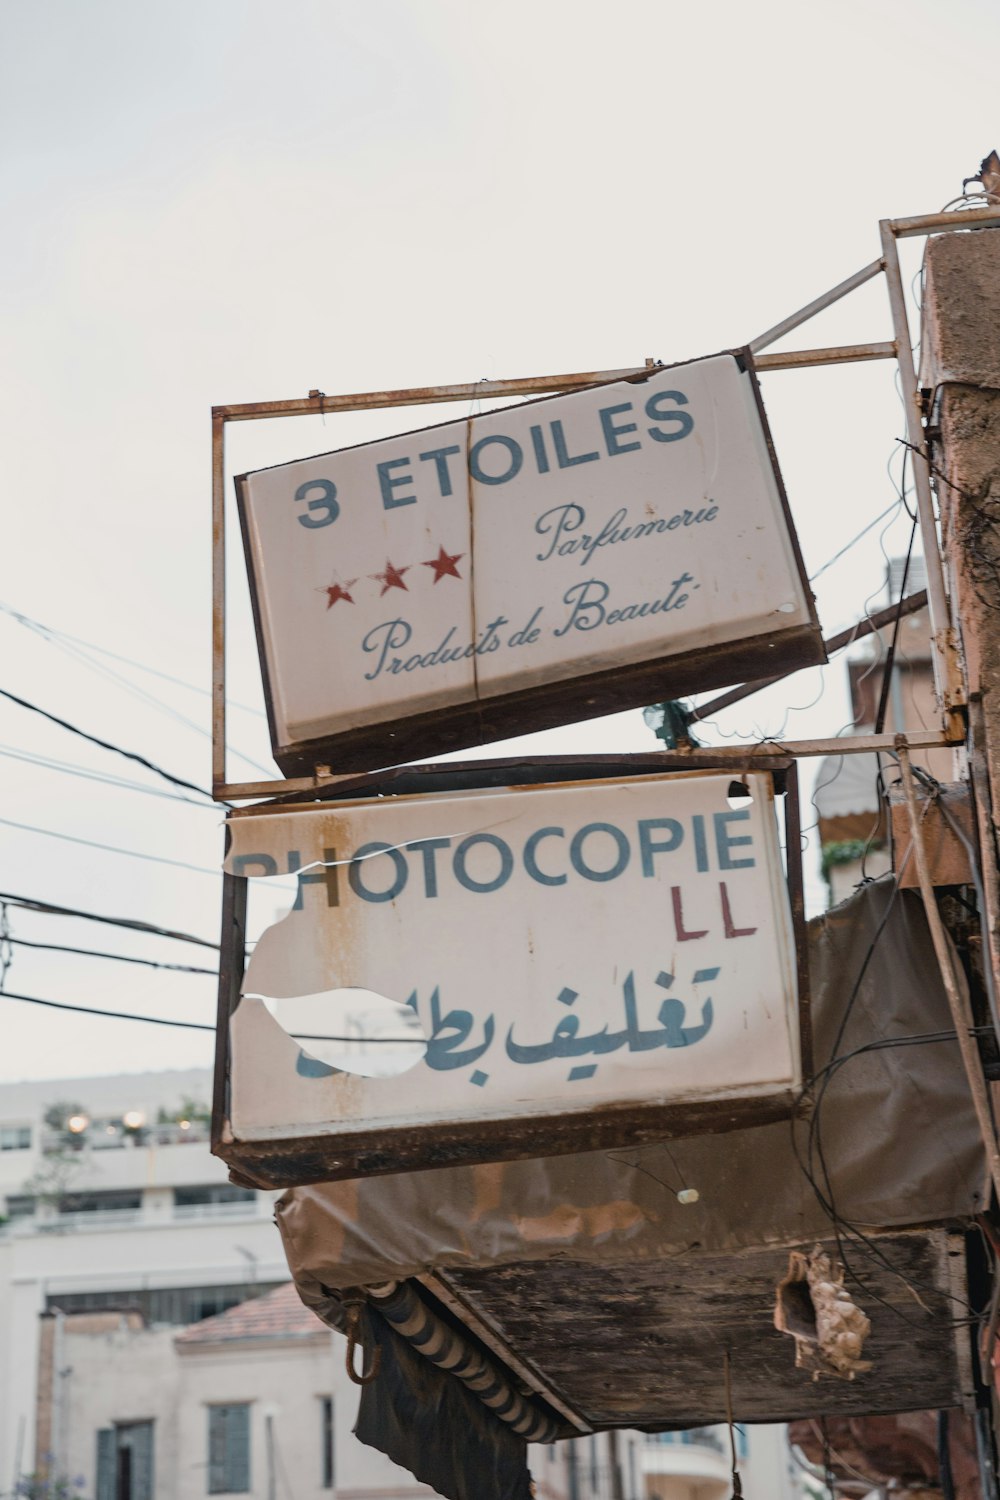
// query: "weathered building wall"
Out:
[961,372]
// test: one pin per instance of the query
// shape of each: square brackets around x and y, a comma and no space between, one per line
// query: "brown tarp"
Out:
[898,1132]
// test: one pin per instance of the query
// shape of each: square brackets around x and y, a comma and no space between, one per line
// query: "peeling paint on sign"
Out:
[562,947]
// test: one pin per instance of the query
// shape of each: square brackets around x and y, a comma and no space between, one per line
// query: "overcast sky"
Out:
[212,201]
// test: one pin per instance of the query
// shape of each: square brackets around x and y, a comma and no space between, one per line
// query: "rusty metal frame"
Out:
[281,1163]
[479,721]
[611,688]
[947,667]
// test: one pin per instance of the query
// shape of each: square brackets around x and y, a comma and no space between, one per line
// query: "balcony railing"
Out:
[691,1437]
[97,1218]
[98,1138]
[241,1209]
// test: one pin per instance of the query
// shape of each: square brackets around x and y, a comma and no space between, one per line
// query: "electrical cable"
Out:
[122,958]
[68,768]
[48,908]
[977,881]
[883,701]
[111,1015]
[826,1201]
[49,632]
[847,547]
[141,760]
[69,838]
[125,1015]
[150,699]
[815,1152]
[944,1457]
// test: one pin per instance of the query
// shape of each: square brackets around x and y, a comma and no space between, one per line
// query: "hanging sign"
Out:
[543,563]
[612,959]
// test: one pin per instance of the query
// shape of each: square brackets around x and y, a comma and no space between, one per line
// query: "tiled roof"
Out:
[279,1314]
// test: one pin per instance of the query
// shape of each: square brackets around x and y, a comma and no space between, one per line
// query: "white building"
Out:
[254,1401]
[115,1203]
[697,1464]
[127,1267]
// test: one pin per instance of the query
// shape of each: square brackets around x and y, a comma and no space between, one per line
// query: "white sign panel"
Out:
[550,541]
[552,949]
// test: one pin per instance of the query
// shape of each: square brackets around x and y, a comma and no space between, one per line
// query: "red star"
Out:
[340,591]
[391,578]
[444,564]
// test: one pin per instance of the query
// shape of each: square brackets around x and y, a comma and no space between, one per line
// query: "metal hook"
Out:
[354,1339]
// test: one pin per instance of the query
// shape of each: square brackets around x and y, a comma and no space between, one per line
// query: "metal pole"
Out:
[617,1487]
[978,769]
[218,600]
[796,319]
[947,674]
[833,643]
[858,744]
[838,354]
[272,1488]
[987,217]
[15,1488]
[958,1000]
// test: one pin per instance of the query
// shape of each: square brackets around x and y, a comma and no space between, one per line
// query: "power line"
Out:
[48,908]
[49,632]
[67,768]
[111,1015]
[126,1015]
[121,958]
[69,838]
[150,699]
[141,760]
[77,650]
[896,504]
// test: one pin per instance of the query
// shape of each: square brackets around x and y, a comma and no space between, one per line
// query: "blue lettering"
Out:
[576,852]
[563,457]
[700,843]
[326,503]
[568,518]
[587,599]
[326,875]
[243,862]
[387,484]
[461,855]
[395,633]
[440,457]
[648,847]
[361,858]
[538,443]
[683,420]
[612,433]
[516,459]
[530,863]
[427,849]
[724,840]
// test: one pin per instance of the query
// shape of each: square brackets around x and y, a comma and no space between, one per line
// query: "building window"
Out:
[116,1201]
[15,1137]
[229,1450]
[174,1305]
[214,1200]
[20,1206]
[125,1462]
[327,1467]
